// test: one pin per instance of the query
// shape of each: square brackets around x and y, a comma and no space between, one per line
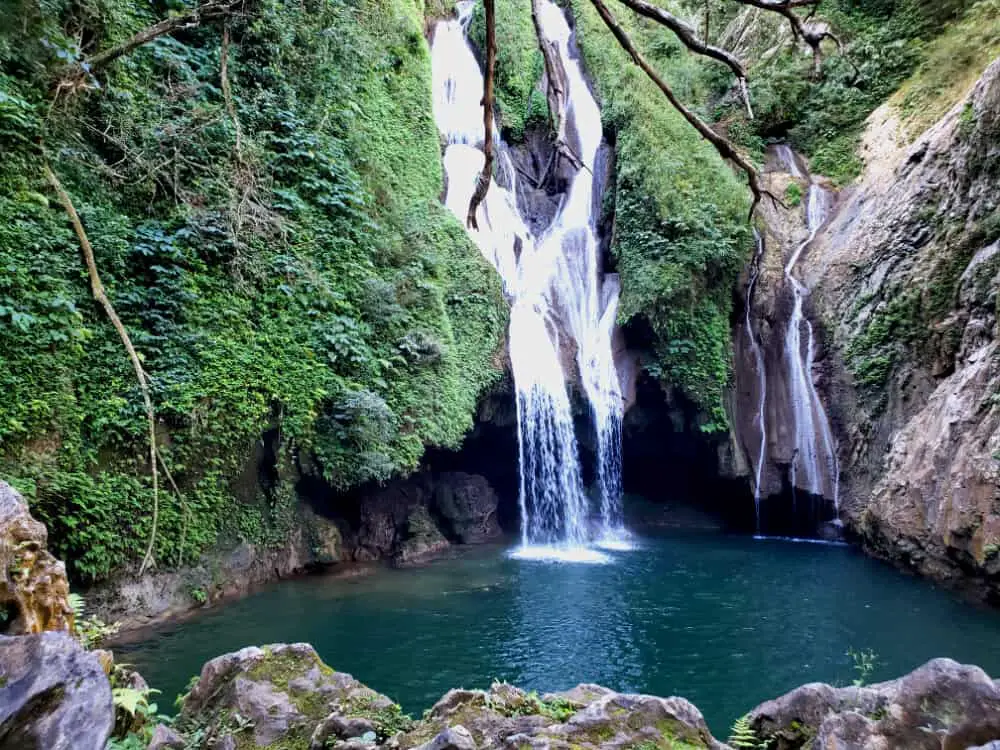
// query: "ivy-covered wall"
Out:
[281,263]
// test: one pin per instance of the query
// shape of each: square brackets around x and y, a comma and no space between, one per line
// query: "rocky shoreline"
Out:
[57,696]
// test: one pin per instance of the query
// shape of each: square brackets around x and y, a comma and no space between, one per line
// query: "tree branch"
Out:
[689,38]
[726,149]
[799,29]
[208,11]
[483,185]
[97,288]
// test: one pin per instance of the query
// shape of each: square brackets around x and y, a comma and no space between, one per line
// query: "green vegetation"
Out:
[681,235]
[883,43]
[297,273]
[519,98]
[743,737]
[864,662]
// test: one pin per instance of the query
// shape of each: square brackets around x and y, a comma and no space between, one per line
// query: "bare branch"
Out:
[813,37]
[483,185]
[210,10]
[97,288]
[726,149]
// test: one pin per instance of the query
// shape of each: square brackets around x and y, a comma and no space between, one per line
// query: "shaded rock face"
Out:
[53,695]
[409,520]
[283,696]
[905,278]
[942,705]
[32,582]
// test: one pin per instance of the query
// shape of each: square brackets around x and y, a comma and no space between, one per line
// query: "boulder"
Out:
[585,718]
[423,538]
[31,579]
[284,696]
[468,505]
[53,695]
[942,705]
[165,738]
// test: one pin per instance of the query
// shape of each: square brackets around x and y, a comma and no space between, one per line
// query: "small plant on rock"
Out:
[865,662]
[743,737]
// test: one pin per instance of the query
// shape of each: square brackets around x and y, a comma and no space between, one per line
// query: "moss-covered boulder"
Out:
[284,697]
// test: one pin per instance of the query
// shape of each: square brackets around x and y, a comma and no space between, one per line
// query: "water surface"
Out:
[724,621]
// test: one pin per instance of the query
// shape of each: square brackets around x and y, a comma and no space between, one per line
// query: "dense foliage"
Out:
[883,42]
[281,263]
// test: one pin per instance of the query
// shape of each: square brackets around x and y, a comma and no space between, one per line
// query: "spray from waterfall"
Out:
[559,297]
[814,466]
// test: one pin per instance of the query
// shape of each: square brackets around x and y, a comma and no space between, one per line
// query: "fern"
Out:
[743,737]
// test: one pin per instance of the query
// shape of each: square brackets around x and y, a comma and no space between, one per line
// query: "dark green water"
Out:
[724,621]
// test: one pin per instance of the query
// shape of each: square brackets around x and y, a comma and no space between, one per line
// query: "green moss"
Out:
[311,284]
[681,235]
[519,65]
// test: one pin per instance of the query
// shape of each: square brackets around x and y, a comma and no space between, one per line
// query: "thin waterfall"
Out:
[555,287]
[758,356]
[815,457]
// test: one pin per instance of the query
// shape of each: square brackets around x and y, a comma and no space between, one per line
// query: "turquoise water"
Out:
[724,621]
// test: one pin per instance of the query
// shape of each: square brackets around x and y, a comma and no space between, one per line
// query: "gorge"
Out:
[723,327]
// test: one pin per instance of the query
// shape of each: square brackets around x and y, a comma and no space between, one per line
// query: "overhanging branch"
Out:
[483,184]
[726,149]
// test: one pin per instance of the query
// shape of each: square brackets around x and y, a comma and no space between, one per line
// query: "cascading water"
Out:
[813,440]
[758,356]
[556,289]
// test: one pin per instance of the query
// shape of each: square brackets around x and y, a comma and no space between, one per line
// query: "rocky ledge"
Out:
[283,697]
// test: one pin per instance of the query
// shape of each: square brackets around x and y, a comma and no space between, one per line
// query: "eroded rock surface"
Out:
[283,696]
[906,278]
[53,695]
[32,581]
[943,705]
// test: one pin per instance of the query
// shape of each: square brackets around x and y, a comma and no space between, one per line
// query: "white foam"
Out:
[560,553]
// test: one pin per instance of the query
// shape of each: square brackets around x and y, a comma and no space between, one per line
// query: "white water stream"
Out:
[758,356]
[560,300]
[814,466]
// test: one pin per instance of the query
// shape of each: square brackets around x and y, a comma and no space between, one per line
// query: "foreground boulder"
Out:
[283,696]
[943,705]
[32,582]
[53,695]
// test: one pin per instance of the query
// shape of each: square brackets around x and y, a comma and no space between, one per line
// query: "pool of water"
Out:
[724,621]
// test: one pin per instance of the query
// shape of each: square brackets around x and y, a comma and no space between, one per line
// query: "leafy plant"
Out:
[90,631]
[743,737]
[864,663]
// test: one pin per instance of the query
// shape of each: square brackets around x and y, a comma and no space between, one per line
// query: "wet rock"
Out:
[468,505]
[283,695]
[423,538]
[53,695]
[31,579]
[165,738]
[941,705]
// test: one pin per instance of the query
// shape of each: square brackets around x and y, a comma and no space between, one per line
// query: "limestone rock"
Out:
[30,577]
[905,278]
[941,705]
[53,695]
[165,738]
[423,538]
[468,504]
[283,695]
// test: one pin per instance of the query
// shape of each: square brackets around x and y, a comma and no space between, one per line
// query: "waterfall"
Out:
[758,357]
[559,297]
[813,440]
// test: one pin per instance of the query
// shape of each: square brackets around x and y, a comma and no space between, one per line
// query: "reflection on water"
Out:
[724,621]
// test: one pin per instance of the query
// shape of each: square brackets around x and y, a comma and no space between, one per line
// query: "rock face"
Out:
[942,705]
[53,695]
[468,506]
[32,581]
[283,696]
[905,278]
